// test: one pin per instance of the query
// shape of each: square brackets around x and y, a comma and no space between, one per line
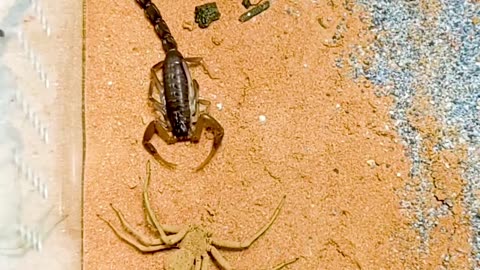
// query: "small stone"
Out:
[210,210]
[219,106]
[323,23]
[217,40]
[476,20]
[144,119]
[449,202]
[372,163]
[187,25]
[367,84]
[262,119]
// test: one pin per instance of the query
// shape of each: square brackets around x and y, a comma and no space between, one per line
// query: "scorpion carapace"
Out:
[184,114]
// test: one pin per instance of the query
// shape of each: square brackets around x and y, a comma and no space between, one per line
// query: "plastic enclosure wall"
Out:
[41,134]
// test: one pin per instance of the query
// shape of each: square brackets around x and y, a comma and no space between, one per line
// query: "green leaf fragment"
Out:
[206,14]
[254,11]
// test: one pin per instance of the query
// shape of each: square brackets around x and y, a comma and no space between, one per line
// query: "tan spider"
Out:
[194,244]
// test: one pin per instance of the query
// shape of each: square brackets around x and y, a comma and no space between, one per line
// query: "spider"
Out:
[194,244]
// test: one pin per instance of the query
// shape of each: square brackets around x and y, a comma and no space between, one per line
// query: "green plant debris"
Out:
[206,14]
[254,11]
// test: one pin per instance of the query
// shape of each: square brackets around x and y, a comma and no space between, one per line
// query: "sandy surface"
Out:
[327,143]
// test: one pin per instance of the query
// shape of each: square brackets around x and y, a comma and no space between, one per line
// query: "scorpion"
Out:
[194,244]
[184,114]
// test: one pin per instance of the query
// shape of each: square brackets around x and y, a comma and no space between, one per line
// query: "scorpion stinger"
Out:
[179,102]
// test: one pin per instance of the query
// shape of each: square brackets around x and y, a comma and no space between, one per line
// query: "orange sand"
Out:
[321,132]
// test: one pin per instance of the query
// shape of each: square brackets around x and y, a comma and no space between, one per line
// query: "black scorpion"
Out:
[185,115]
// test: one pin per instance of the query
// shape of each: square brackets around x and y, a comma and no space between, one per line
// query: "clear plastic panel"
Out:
[41,134]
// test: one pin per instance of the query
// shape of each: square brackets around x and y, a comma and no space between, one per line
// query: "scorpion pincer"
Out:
[184,114]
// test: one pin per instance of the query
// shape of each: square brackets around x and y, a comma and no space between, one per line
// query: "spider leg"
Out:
[141,247]
[205,262]
[129,228]
[167,239]
[247,243]
[222,262]
[198,263]
[169,229]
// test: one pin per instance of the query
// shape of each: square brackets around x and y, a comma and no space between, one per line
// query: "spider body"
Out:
[195,245]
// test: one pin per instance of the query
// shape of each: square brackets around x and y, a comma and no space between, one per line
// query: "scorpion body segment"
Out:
[177,99]
[179,104]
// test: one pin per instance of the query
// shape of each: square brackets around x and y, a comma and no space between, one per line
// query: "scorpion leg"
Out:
[198,61]
[158,105]
[206,105]
[245,244]
[170,239]
[205,121]
[203,105]
[156,83]
[156,127]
